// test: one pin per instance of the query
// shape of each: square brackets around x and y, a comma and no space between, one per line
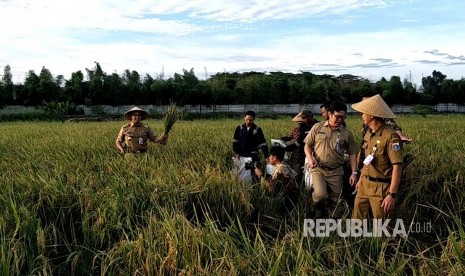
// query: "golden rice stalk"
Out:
[172,115]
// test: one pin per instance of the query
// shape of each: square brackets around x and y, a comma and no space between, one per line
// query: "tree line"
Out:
[96,87]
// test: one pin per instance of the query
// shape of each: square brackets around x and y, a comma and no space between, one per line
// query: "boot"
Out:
[336,209]
[320,210]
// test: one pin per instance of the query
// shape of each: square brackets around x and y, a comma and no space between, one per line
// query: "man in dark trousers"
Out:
[248,139]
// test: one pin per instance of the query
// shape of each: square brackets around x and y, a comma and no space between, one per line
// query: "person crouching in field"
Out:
[283,180]
[297,136]
[132,138]
[382,163]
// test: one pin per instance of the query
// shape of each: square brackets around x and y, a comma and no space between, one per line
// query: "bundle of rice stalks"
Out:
[171,116]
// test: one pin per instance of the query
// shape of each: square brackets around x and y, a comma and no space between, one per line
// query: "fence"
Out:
[208,109]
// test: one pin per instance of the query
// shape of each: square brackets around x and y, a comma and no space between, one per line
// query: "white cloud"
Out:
[253,10]
[146,36]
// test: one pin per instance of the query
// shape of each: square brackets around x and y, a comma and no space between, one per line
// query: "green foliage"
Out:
[98,110]
[423,110]
[130,88]
[28,116]
[58,110]
[6,87]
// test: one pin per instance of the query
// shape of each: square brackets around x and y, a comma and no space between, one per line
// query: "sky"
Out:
[367,38]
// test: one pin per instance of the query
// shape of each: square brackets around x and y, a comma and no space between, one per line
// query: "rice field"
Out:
[71,205]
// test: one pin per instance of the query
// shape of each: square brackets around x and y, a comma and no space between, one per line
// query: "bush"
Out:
[59,110]
[98,110]
[30,116]
[423,110]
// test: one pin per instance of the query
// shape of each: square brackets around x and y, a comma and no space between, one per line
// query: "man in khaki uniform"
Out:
[325,146]
[133,137]
[382,165]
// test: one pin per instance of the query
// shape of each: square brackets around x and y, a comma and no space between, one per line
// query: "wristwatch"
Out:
[393,195]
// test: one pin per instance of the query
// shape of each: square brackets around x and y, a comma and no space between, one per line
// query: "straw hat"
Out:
[144,115]
[298,117]
[374,106]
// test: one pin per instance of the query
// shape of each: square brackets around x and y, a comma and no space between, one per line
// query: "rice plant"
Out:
[71,205]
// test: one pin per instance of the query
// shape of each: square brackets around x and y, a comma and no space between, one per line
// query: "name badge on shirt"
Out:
[368,159]
[141,141]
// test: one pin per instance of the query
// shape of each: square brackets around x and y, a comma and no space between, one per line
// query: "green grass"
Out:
[71,205]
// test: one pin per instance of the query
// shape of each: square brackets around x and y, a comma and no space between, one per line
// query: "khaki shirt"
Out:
[330,145]
[135,137]
[388,152]
[283,180]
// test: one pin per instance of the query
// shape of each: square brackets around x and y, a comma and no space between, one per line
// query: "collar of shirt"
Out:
[379,131]
[253,126]
[326,124]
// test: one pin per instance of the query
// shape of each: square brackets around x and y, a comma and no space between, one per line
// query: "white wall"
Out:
[276,108]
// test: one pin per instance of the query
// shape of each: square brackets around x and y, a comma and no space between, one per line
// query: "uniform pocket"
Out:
[381,149]
[341,146]
[320,136]
[129,135]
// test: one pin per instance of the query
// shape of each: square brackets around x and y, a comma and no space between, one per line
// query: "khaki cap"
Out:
[144,115]
[374,106]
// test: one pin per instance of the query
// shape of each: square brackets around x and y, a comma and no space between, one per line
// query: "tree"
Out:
[351,88]
[6,86]
[117,90]
[298,86]
[431,86]
[394,92]
[96,81]
[146,91]
[75,88]
[48,89]
[453,91]
[31,85]
[186,87]
[132,82]
[322,90]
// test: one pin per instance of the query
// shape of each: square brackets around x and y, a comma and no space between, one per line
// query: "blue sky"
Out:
[368,38]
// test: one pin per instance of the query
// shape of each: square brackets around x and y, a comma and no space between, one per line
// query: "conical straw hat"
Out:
[374,106]
[298,117]
[144,115]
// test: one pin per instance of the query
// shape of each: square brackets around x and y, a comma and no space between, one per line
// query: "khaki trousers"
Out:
[370,196]
[321,181]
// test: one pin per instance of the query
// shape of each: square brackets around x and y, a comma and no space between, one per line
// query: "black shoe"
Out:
[337,209]
[320,211]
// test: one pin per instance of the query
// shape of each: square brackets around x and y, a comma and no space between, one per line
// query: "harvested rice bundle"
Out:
[172,115]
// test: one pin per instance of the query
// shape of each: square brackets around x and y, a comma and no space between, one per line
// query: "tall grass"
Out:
[71,205]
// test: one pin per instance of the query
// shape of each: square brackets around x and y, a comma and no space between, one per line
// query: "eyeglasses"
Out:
[340,117]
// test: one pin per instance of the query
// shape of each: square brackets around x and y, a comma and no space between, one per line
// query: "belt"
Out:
[328,168]
[382,180]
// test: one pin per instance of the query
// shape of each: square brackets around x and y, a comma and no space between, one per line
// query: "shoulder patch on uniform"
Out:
[396,146]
